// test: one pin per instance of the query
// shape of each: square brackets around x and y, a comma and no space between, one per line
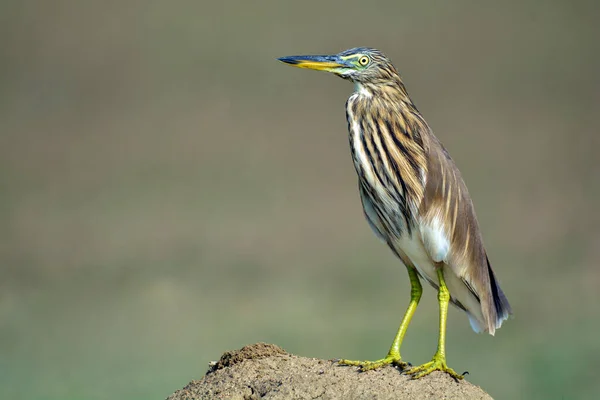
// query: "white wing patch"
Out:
[435,239]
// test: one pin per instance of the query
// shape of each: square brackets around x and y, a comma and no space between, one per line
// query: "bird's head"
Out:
[361,65]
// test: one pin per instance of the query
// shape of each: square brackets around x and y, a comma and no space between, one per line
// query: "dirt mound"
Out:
[266,371]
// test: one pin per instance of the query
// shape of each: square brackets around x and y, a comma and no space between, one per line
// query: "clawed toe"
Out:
[437,364]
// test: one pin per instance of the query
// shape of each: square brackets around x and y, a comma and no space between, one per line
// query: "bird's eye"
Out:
[364,60]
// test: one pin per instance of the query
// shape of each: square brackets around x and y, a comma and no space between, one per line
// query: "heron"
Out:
[415,200]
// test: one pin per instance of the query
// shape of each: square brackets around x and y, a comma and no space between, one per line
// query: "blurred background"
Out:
[169,191]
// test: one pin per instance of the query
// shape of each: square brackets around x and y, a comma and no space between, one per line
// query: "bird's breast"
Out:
[360,137]
[389,207]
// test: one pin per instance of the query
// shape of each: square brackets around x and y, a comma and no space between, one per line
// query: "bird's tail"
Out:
[489,316]
[503,310]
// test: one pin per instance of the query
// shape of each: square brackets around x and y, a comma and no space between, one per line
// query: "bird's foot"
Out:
[390,359]
[438,363]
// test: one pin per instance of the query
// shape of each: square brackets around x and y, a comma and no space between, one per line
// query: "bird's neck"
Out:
[390,95]
[387,147]
[391,91]
[390,101]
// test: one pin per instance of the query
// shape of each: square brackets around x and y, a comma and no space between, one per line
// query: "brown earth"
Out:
[266,371]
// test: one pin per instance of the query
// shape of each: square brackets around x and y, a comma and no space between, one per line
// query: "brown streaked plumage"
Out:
[446,194]
[414,198]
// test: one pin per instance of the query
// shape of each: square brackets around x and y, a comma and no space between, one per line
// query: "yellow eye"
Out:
[364,60]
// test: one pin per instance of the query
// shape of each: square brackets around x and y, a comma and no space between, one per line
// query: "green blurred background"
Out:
[169,191]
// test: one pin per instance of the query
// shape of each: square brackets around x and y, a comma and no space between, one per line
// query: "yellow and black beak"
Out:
[319,63]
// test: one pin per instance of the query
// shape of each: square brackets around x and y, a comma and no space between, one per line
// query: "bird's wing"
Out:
[451,235]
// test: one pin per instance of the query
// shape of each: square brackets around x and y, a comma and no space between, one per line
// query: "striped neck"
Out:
[385,133]
[389,89]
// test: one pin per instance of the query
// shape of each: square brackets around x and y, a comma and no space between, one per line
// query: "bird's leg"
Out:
[438,363]
[393,356]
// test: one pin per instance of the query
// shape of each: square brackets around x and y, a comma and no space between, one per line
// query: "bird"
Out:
[415,200]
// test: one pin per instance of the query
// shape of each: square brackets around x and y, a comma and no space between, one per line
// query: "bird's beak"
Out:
[320,63]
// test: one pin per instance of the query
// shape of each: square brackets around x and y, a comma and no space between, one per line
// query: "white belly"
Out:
[413,247]
[415,250]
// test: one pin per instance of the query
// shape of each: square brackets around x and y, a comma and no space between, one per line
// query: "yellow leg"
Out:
[393,356]
[438,363]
